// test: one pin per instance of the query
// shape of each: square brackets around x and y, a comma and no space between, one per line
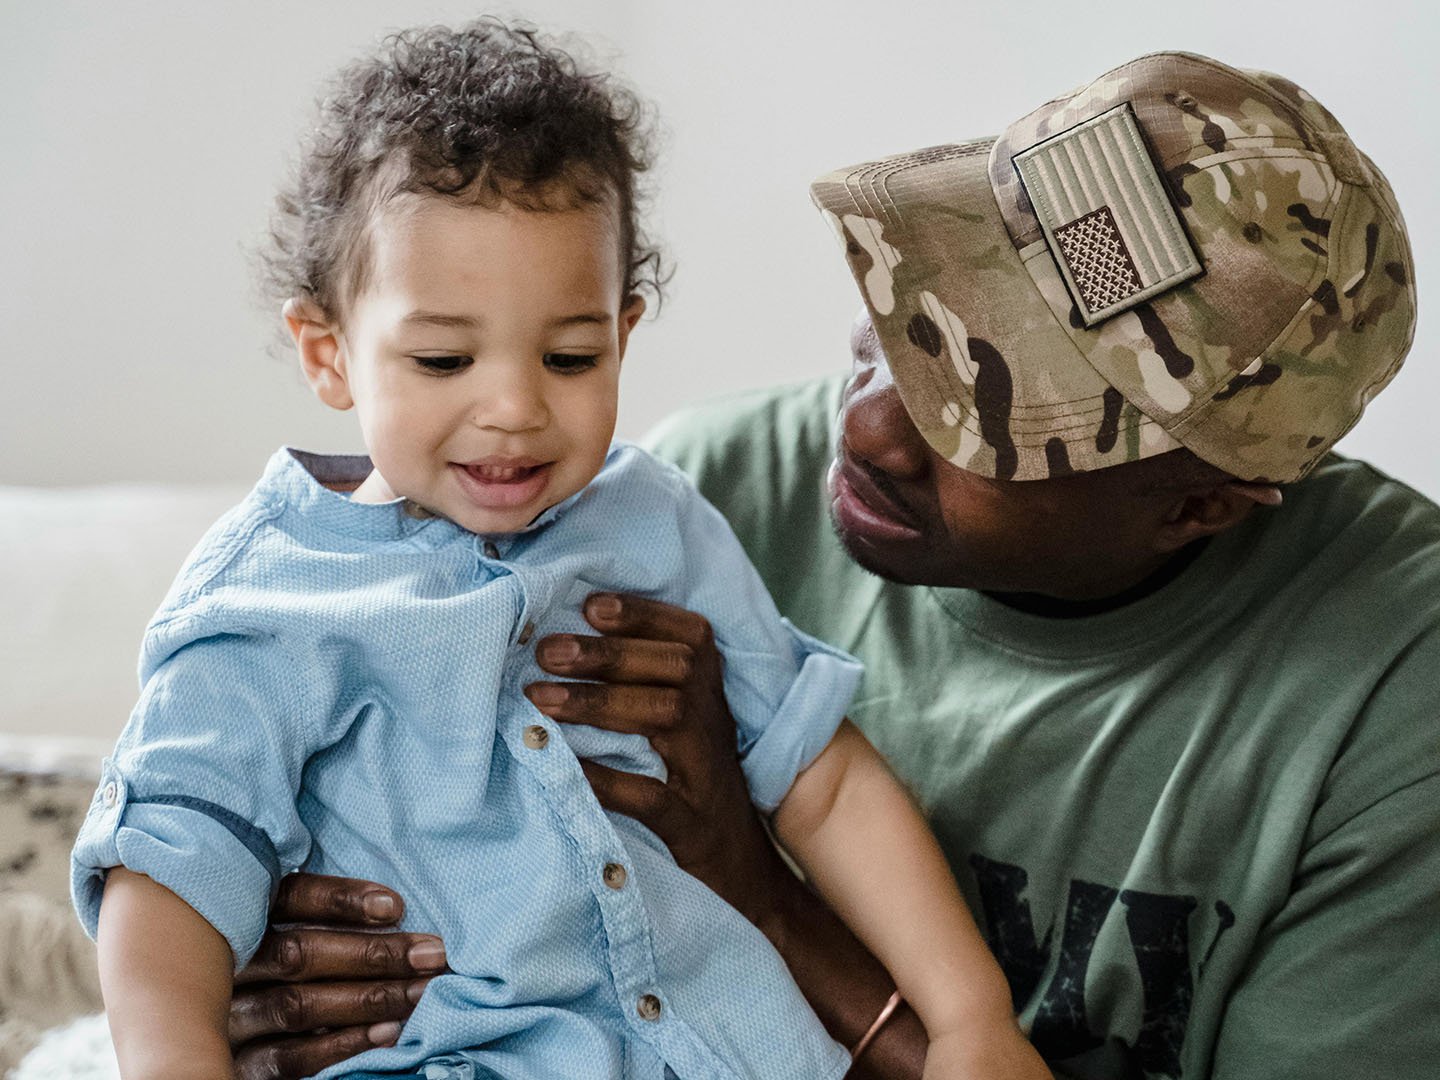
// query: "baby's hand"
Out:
[981,1054]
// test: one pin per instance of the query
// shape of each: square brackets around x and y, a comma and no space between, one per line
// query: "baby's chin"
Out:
[489,521]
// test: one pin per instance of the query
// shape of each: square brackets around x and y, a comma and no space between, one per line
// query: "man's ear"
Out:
[322,357]
[630,313]
[1211,510]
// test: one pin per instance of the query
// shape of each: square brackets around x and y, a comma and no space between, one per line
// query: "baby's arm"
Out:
[866,849]
[166,975]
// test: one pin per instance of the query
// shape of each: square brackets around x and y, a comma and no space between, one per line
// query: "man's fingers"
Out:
[639,710]
[303,955]
[639,617]
[319,898]
[292,1058]
[299,1007]
[643,798]
[616,659]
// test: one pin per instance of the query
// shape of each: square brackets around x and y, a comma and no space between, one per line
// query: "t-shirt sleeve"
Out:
[787,690]
[1344,981]
[200,792]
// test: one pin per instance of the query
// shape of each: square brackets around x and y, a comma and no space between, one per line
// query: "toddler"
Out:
[335,679]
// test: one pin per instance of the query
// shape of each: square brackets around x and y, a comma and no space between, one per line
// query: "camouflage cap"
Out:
[1178,254]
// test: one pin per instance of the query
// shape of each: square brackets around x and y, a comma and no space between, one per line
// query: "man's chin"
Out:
[881,558]
[913,564]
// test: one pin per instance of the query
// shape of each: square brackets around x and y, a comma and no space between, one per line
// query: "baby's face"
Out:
[483,357]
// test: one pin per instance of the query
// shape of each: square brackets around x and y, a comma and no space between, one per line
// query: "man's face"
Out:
[907,514]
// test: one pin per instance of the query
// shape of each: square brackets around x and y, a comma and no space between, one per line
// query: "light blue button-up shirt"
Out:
[337,686]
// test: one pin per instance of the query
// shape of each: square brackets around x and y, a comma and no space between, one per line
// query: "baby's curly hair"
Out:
[487,114]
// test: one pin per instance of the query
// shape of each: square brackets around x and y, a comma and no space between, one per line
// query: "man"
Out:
[1161,670]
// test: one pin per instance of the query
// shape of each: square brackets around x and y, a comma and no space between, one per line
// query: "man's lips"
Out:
[502,483]
[862,506]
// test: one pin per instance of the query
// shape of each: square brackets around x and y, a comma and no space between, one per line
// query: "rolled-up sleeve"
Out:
[804,720]
[200,792]
[787,690]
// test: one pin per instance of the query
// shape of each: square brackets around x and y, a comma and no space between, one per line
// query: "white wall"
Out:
[141,142]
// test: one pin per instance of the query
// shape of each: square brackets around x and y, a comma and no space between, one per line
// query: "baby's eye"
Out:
[570,363]
[442,365]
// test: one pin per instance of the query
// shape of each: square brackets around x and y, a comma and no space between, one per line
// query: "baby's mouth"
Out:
[501,485]
[501,474]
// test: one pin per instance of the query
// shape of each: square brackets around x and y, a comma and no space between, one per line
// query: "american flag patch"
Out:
[1106,215]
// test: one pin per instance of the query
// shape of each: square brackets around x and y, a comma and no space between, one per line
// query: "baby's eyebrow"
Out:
[440,318]
[601,318]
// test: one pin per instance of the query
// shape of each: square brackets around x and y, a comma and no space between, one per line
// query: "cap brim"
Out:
[970,326]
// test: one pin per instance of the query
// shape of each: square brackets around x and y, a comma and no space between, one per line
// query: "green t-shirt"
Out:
[1201,832]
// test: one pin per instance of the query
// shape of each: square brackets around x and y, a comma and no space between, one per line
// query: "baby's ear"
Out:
[321,356]
[630,313]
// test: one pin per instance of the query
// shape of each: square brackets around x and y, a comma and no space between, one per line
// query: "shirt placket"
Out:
[538,744]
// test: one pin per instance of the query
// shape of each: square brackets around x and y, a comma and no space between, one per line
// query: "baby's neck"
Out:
[373,489]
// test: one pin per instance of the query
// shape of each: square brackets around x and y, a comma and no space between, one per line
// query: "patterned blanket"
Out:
[47,966]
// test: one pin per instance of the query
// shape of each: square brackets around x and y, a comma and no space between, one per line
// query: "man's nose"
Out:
[875,425]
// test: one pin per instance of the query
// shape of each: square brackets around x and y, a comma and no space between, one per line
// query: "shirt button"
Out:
[536,737]
[110,794]
[491,551]
[526,634]
[614,875]
[648,1007]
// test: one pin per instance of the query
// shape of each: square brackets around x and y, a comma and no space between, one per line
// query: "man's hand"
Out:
[659,674]
[312,997]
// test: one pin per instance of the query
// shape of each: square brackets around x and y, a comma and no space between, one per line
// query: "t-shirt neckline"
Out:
[1199,592]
